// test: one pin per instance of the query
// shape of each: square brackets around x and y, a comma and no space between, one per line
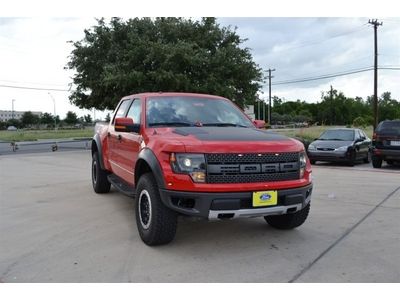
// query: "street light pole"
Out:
[12,109]
[54,103]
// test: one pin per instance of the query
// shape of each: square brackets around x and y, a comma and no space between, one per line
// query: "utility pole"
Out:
[269,102]
[376,24]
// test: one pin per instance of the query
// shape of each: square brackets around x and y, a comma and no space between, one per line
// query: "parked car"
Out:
[11,128]
[341,144]
[386,143]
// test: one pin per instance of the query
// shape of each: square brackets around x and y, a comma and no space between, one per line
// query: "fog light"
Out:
[198,176]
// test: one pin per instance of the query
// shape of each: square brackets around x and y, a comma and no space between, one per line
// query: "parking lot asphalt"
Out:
[54,228]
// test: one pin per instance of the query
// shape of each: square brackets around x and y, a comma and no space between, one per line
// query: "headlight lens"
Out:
[311,148]
[192,164]
[303,162]
[343,148]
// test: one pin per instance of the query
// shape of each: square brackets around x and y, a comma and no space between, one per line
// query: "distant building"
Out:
[6,115]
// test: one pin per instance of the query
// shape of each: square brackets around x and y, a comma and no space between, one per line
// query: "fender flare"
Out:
[96,141]
[148,156]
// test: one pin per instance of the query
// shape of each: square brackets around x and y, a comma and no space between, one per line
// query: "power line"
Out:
[33,88]
[298,80]
[326,76]
[322,76]
[34,83]
[318,41]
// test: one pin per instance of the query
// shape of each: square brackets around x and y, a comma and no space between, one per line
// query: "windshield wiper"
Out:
[224,125]
[174,124]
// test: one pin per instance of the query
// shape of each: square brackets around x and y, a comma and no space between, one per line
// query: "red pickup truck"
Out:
[198,155]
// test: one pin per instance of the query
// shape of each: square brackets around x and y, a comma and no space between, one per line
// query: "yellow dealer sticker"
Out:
[265,198]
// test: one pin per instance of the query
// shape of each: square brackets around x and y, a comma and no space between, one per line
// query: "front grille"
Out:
[233,158]
[252,167]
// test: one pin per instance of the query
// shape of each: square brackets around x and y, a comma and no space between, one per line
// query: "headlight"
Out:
[343,148]
[311,148]
[302,162]
[187,163]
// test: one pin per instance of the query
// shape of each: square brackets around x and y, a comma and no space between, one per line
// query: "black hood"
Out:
[229,134]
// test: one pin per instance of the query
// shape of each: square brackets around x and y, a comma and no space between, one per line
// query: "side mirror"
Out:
[259,123]
[126,125]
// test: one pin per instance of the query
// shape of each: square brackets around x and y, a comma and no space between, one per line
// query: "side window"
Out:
[135,111]
[121,112]
[363,135]
[357,135]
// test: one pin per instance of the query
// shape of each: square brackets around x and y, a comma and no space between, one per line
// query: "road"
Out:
[54,228]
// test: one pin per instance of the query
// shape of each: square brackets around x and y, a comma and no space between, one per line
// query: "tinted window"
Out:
[193,111]
[338,135]
[135,110]
[389,127]
[121,112]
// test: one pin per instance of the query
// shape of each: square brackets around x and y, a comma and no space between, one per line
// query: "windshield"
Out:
[389,127]
[337,135]
[174,111]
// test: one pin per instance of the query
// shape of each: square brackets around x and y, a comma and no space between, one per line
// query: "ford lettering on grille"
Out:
[244,168]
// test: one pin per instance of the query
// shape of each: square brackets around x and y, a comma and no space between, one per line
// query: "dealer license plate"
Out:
[394,143]
[265,198]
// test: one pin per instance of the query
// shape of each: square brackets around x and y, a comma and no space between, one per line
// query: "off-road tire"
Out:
[289,221]
[100,182]
[376,162]
[156,223]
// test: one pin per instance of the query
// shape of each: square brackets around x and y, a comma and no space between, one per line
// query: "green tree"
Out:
[71,118]
[108,117]
[47,119]
[14,122]
[88,119]
[388,109]
[29,119]
[162,54]
[3,125]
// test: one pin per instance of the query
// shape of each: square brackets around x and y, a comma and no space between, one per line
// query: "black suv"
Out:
[386,143]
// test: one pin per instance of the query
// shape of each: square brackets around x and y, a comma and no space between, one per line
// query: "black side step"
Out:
[121,185]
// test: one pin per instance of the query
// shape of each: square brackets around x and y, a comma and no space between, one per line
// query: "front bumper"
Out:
[329,155]
[234,205]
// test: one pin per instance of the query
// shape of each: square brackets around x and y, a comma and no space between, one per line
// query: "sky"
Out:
[34,52]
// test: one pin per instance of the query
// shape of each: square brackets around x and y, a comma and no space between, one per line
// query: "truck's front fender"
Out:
[147,159]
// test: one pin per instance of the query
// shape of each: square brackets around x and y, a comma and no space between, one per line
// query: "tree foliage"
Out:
[71,118]
[47,119]
[162,54]
[29,119]
[335,109]
[88,119]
